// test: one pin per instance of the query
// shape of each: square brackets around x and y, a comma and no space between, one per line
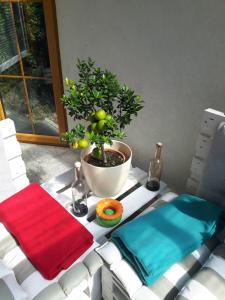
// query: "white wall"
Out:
[171,52]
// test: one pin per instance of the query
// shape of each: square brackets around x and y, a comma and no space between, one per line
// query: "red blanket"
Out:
[50,237]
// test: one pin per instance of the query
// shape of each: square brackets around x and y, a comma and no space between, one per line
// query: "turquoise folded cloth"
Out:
[155,241]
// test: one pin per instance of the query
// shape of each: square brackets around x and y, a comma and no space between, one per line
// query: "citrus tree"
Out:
[102,103]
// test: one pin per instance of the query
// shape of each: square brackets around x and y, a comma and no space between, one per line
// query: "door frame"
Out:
[49,9]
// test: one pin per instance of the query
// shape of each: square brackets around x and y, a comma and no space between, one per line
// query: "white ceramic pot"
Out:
[107,182]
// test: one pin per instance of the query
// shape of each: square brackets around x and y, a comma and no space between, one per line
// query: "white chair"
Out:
[80,281]
[12,168]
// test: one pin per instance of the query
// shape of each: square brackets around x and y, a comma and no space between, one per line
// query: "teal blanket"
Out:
[157,240]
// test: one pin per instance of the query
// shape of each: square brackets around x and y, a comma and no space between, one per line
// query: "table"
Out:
[134,198]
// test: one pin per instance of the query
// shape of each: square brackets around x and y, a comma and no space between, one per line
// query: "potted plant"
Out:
[105,107]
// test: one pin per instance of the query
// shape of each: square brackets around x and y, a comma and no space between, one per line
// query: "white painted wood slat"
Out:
[210,122]
[7,128]
[17,167]
[131,203]
[12,147]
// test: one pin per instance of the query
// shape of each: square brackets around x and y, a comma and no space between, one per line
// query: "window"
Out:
[30,73]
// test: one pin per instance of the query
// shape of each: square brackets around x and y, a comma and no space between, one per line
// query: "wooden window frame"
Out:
[49,9]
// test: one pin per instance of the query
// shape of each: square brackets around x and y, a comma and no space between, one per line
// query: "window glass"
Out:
[9,58]
[12,91]
[42,105]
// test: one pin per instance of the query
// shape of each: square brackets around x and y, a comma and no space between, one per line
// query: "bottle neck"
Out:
[158,151]
[77,173]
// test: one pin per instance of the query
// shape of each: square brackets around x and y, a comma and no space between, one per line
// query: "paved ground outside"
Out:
[44,162]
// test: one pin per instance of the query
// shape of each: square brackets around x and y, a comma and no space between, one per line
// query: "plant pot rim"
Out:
[107,147]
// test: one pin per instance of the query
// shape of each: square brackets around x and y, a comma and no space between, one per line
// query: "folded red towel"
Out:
[50,237]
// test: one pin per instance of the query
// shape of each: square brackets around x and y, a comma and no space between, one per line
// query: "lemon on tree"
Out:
[98,120]
[100,114]
[101,124]
[93,126]
[83,143]
[74,145]
[108,117]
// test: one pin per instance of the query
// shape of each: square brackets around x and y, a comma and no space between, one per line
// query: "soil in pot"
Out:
[114,158]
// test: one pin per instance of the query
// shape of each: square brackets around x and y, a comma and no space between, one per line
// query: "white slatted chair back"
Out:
[205,148]
[12,168]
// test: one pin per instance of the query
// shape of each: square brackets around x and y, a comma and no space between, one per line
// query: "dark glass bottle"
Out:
[79,193]
[155,170]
